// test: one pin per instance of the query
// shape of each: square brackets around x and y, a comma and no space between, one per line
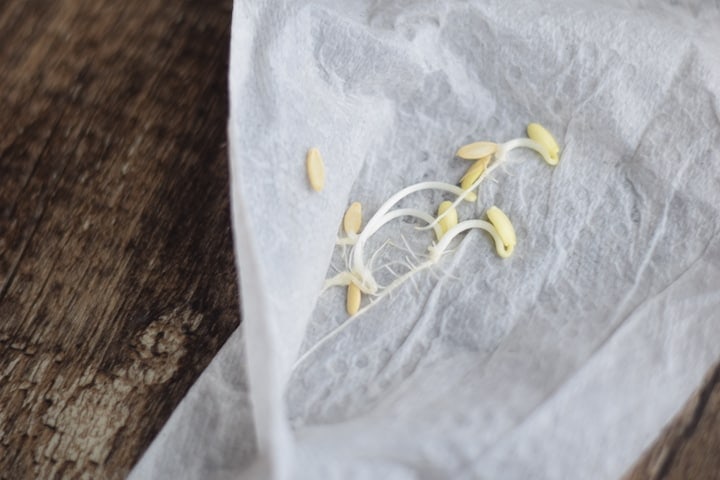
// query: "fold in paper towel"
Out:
[564,361]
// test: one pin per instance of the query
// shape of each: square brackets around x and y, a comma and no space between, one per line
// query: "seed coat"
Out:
[474,172]
[352,221]
[474,151]
[540,134]
[449,220]
[504,229]
[353,299]
[315,169]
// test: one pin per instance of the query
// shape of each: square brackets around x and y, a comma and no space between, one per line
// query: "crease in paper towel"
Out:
[567,358]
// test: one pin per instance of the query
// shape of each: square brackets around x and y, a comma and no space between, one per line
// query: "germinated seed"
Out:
[449,220]
[315,169]
[352,221]
[353,299]
[474,172]
[503,226]
[476,150]
[538,133]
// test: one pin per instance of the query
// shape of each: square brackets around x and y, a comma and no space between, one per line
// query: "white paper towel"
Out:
[564,361]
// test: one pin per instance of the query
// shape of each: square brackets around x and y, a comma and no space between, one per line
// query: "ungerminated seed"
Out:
[315,169]
[353,299]
[352,221]
[538,133]
[476,150]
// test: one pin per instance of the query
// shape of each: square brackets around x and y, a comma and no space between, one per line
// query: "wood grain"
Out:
[117,283]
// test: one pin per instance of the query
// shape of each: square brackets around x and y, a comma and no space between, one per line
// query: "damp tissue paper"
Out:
[565,360]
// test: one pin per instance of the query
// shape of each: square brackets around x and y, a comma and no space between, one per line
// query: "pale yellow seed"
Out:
[504,229]
[315,169]
[538,133]
[476,150]
[354,295]
[352,221]
[449,220]
[474,172]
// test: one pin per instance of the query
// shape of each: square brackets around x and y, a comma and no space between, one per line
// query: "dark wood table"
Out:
[117,281]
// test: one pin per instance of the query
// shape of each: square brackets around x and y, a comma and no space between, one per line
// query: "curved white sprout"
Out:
[435,252]
[363,275]
[439,248]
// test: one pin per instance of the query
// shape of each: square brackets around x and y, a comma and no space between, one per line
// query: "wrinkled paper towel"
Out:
[564,361]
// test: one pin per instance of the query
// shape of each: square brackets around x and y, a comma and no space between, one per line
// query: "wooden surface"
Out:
[117,283]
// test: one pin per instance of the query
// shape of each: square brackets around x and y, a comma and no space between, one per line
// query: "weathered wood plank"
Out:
[117,283]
